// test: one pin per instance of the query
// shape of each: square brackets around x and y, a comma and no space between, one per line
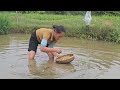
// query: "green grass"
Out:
[104,27]
[4,24]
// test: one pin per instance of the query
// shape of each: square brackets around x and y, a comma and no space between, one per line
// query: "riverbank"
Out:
[106,28]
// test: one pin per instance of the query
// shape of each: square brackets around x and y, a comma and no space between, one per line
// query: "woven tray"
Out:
[65,59]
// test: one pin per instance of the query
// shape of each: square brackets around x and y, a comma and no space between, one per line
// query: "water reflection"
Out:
[49,69]
[4,42]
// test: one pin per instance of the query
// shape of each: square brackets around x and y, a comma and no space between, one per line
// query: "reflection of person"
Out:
[47,38]
[43,71]
[49,69]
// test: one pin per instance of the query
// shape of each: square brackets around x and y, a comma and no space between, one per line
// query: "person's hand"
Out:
[58,55]
[58,50]
[55,54]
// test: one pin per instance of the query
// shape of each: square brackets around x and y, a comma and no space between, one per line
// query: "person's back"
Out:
[48,33]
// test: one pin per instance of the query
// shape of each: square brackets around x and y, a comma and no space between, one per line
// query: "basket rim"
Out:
[71,55]
[65,61]
[69,59]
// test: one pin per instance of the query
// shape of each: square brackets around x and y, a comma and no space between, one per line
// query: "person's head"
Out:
[59,32]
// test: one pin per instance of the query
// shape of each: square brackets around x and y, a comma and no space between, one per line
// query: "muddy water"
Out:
[93,60]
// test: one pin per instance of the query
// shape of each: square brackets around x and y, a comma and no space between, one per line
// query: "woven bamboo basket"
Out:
[64,59]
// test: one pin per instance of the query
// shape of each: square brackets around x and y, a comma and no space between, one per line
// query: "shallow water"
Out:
[93,60]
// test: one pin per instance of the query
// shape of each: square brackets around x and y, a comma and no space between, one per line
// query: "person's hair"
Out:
[59,29]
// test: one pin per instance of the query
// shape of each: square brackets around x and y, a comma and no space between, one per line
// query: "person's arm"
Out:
[56,54]
[46,49]
[51,45]
[43,47]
